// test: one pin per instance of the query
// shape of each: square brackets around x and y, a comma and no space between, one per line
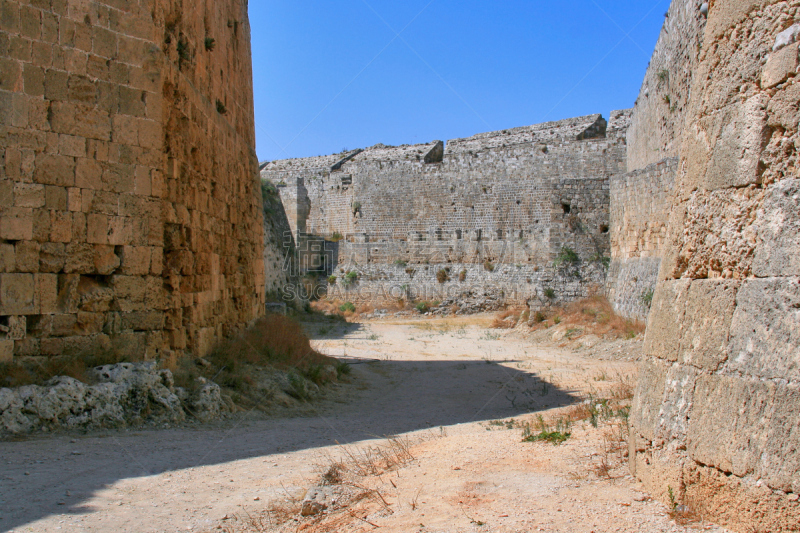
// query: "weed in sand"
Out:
[557,436]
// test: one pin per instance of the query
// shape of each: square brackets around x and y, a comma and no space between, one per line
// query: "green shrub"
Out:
[550,293]
[462,276]
[422,307]
[567,256]
[347,306]
[442,276]
[336,237]
[647,298]
[331,280]
[488,266]
[350,278]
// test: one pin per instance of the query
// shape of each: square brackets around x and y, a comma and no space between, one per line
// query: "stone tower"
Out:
[130,209]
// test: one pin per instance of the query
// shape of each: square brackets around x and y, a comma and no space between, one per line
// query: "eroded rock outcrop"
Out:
[122,395]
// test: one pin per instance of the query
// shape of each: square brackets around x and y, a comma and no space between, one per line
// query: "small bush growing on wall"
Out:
[442,276]
[210,43]
[550,293]
[347,307]
[400,263]
[336,237]
[488,266]
[647,298]
[567,256]
[463,275]
[331,280]
[350,278]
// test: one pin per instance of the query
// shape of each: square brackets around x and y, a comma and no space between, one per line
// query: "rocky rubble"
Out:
[124,394]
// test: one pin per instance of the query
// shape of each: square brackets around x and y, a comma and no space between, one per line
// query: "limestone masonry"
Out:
[438,222]
[716,417]
[130,209]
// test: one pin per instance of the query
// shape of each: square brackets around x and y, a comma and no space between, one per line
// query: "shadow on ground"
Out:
[383,398]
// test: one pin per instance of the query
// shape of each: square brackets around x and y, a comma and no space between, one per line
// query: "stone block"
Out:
[6,351]
[46,297]
[41,225]
[89,323]
[81,89]
[741,134]
[97,228]
[30,22]
[136,260]
[54,170]
[725,15]
[64,325]
[784,107]
[88,175]
[143,320]
[17,328]
[80,258]
[55,198]
[52,257]
[104,42]
[150,134]
[33,80]
[707,322]
[96,296]
[779,232]
[16,225]
[648,397]
[747,427]
[74,197]
[106,262]
[780,65]
[130,292]
[665,324]
[10,74]
[80,120]
[9,16]
[56,85]
[61,226]
[29,195]
[72,146]
[26,254]
[7,258]
[16,294]
[765,339]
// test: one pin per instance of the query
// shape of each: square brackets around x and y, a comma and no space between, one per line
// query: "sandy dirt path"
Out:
[439,382]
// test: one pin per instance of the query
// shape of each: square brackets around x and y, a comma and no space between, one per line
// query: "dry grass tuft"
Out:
[501,320]
[593,315]
[39,370]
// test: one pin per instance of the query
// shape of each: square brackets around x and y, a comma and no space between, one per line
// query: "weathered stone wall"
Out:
[716,415]
[511,198]
[640,204]
[130,211]
[641,200]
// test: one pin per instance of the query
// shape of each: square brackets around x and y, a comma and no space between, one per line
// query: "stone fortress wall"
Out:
[641,198]
[716,416]
[130,209]
[488,214]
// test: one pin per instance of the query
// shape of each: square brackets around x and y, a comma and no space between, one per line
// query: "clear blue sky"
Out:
[334,74]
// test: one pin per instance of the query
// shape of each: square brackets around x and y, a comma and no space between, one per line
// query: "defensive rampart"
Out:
[491,213]
[716,416]
[641,199]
